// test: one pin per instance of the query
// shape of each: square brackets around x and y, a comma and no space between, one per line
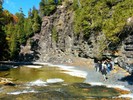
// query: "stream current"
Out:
[45,82]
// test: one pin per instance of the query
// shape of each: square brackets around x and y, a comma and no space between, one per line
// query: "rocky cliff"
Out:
[58,42]
[56,36]
[125,58]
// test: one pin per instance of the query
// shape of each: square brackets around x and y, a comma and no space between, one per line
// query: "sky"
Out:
[13,6]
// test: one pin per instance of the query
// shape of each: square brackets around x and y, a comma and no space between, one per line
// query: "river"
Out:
[53,82]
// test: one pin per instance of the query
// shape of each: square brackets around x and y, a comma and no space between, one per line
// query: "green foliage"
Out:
[54,34]
[102,16]
[28,27]
[1,16]
[2,33]
[48,7]
[75,4]
[36,27]
[11,40]
[13,46]
[36,21]
[18,29]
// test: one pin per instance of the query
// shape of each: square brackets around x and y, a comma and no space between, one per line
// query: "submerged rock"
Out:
[5,81]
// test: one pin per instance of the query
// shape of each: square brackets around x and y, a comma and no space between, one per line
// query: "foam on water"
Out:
[44,83]
[32,66]
[95,83]
[118,86]
[76,73]
[21,92]
[109,85]
[127,96]
[37,83]
[114,86]
[71,70]
[55,80]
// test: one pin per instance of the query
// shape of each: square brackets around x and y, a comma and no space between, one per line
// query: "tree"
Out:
[16,29]
[20,27]
[2,34]
[28,27]
[14,48]
[30,13]
[36,21]
[1,15]
[106,17]
[48,7]
[12,41]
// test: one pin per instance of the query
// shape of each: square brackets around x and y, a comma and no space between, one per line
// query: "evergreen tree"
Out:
[104,16]
[28,27]
[36,21]
[42,8]
[1,15]
[30,14]
[48,7]
[11,38]
[2,34]
[14,48]
[20,27]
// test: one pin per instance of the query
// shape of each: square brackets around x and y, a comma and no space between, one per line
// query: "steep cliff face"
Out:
[57,40]
[125,59]
[56,34]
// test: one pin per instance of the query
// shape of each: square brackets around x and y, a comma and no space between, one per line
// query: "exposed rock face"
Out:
[126,58]
[29,51]
[58,40]
[60,25]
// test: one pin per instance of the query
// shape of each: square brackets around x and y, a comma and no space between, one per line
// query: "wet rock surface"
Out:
[6,82]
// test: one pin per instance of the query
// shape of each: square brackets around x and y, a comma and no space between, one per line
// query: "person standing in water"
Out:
[104,70]
[96,64]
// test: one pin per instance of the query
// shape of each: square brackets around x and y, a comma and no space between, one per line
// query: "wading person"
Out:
[96,64]
[104,70]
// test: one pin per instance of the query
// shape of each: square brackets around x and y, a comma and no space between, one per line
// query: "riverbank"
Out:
[116,78]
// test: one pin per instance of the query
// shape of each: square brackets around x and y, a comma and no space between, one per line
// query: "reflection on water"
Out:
[51,83]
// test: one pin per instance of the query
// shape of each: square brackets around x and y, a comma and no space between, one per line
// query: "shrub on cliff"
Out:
[48,7]
[102,16]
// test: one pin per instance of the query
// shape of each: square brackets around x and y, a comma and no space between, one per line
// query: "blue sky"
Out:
[13,6]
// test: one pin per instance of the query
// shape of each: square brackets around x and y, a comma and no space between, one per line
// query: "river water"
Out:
[45,82]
